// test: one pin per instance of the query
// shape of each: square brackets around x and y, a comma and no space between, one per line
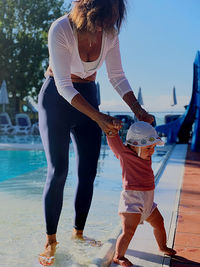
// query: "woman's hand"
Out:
[142,115]
[108,124]
[139,112]
[48,72]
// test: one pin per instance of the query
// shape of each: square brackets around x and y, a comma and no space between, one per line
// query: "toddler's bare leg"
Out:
[157,222]
[130,222]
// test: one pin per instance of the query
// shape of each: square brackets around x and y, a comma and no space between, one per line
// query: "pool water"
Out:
[22,228]
[14,163]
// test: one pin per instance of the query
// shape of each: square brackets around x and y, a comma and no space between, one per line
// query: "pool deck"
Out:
[178,199]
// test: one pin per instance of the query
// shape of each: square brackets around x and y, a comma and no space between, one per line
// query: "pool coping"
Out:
[105,255]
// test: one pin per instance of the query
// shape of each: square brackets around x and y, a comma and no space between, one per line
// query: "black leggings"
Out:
[58,120]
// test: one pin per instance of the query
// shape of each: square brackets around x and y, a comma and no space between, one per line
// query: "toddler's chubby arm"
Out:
[115,144]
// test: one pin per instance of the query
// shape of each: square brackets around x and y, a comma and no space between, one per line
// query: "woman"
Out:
[78,45]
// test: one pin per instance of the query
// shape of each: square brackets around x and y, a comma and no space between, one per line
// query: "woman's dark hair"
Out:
[89,14]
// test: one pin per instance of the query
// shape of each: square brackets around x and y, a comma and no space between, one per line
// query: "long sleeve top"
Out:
[137,173]
[64,59]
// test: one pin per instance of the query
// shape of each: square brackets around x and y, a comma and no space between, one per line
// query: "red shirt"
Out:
[137,173]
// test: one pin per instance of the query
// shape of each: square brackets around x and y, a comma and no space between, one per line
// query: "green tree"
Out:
[24,26]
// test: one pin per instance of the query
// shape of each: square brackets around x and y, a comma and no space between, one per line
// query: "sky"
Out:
[158,43]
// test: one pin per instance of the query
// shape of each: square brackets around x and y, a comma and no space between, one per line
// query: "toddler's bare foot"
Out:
[78,235]
[48,256]
[122,261]
[168,251]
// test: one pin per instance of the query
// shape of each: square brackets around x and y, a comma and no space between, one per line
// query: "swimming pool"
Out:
[22,228]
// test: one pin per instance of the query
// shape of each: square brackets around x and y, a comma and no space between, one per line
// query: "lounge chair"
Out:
[6,126]
[23,124]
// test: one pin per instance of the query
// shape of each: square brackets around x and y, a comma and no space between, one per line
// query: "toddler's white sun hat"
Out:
[142,134]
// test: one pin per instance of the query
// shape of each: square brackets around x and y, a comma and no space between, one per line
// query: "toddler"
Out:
[136,200]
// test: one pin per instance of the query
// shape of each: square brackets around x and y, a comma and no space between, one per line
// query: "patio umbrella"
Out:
[174,100]
[4,95]
[139,98]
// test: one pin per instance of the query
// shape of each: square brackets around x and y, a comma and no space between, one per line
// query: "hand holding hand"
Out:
[109,124]
[145,116]
[141,113]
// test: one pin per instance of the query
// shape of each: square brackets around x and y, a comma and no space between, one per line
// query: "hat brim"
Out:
[158,142]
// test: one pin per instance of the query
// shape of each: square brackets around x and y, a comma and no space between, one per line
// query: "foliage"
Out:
[24,26]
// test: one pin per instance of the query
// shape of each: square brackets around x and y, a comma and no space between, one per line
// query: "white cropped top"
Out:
[64,59]
[91,65]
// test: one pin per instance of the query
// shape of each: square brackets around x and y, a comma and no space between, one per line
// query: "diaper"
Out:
[132,201]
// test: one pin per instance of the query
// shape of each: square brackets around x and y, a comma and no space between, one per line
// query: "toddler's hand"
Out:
[117,124]
[108,124]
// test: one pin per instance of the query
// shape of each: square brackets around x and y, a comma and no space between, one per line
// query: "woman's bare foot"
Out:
[48,256]
[168,251]
[122,261]
[78,235]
